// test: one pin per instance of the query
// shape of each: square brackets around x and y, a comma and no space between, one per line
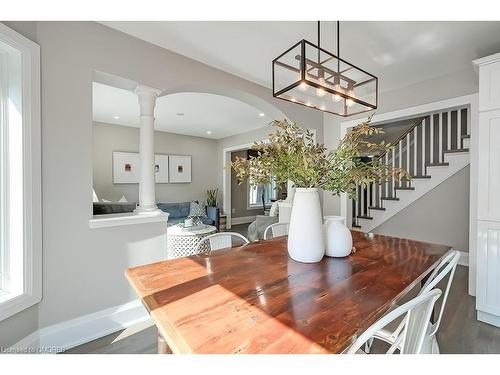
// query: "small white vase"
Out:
[338,237]
[306,242]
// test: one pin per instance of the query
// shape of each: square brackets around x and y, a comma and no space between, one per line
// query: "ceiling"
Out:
[399,53]
[188,113]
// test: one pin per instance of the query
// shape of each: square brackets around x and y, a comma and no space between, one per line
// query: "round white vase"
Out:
[305,235]
[338,237]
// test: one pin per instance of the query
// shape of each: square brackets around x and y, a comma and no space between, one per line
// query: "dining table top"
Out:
[256,299]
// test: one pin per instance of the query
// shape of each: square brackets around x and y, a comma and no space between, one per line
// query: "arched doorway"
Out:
[263,105]
[166,119]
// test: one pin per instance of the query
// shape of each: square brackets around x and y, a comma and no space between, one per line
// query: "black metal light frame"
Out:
[303,79]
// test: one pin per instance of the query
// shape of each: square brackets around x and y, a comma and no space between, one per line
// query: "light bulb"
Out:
[336,97]
[337,88]
[349,102]
[350,92]
[320,91]
[303,86]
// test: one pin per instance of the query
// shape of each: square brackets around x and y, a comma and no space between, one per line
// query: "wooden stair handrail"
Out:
[409,130]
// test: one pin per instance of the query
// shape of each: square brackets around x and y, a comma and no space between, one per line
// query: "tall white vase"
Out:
[290,191]
[305,236]
[338,237]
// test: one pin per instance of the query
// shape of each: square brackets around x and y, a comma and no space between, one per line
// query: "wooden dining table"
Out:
[256,299]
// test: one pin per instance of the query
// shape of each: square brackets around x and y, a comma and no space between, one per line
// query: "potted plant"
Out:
[292,154]
[212,197]
[212,206]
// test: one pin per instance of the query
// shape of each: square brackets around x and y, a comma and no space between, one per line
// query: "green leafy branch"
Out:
[292,154]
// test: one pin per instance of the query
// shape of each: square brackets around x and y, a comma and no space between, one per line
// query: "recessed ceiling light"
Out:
[209,132]
[180,113]
[261,114]
[116,117]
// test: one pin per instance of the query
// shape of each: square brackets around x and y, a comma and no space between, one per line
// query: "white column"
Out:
[147,199]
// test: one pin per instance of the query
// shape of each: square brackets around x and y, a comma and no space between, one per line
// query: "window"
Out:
[20,198]
[255,194]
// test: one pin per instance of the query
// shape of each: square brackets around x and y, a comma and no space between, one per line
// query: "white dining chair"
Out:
[277,230]
[221,240]
[430,346]
[410,339]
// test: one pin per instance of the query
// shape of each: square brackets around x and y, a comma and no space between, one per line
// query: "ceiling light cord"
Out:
[319,41]
[338,43]
[338,38]
[338,46]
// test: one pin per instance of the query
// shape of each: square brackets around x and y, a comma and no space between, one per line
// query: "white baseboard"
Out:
[242,220]
[74,332]
[488,318]
[464,259]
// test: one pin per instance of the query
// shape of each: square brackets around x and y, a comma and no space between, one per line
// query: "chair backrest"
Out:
[447,266]
[221,240]
[277,229]
[418,312]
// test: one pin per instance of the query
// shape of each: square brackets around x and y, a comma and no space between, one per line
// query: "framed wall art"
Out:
[168,168]
[161,168]
[180,168]
[126,167]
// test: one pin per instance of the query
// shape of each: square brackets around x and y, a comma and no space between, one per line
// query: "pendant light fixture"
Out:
[309,75]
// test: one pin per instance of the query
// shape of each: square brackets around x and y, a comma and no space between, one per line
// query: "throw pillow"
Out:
[197,210]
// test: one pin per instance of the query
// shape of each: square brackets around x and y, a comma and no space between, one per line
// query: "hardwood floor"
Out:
[460,332]
[240,228]
[139,339]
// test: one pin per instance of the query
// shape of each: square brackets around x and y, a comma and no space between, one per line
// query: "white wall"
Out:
[108,138]
[18,326]
[331,203]
[83,268]
[440,216]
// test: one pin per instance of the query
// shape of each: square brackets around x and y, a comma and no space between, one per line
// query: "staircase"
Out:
[431,150]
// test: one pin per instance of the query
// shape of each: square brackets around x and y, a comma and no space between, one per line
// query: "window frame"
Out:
[258,205]
[31,274]
[4,201]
